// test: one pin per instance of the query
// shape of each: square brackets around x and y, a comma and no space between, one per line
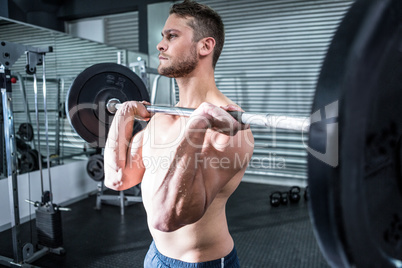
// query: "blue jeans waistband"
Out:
[155,259]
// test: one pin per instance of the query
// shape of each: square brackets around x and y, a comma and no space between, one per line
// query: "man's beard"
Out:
[182,67]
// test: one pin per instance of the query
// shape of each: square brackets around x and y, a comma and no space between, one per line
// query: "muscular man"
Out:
[188,166]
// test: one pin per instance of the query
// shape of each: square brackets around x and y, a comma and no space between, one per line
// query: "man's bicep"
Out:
[224,165]
[237,154]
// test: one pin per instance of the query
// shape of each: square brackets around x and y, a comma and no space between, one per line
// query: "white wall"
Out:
[70,183]
[92,29]
[157,15]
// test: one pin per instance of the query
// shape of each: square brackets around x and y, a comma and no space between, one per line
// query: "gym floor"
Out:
[264,236]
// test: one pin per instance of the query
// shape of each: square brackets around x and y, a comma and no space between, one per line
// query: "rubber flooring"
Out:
[264,236]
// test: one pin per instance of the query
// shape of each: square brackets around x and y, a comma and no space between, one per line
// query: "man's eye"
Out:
[172,36]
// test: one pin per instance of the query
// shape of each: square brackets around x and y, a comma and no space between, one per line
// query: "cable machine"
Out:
[48,217]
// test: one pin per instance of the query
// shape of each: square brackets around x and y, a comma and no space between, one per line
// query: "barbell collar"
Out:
[112,105]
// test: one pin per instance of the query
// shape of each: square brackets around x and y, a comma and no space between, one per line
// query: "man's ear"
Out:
[207,46]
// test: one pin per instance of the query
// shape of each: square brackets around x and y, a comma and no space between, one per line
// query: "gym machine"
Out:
[48,217]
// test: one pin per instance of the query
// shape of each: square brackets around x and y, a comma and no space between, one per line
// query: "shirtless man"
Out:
[188,166]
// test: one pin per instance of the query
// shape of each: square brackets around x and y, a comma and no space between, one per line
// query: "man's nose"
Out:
[161,46]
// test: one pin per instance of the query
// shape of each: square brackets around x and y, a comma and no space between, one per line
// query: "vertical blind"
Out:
[270,63]
[122,31]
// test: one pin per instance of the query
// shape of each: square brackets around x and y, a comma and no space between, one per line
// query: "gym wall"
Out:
[270,64]
[120,30]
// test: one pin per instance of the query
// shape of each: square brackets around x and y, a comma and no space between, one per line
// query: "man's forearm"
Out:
[180,198]
[117,152]
[118,141]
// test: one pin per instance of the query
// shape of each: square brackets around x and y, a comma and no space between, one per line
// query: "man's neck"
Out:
[197,88]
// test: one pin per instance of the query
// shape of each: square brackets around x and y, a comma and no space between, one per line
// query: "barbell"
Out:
[99,90]
[355,191]
[288,122]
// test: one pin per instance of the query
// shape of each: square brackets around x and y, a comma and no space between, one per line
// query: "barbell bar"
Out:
[355,204]
[257,119]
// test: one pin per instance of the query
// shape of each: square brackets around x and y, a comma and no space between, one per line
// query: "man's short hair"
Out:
[206,23]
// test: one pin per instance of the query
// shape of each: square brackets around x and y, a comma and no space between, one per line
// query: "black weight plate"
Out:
[356,206]
[95,168]
[87,97]
[26,132]
[28,161]
[375,129]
